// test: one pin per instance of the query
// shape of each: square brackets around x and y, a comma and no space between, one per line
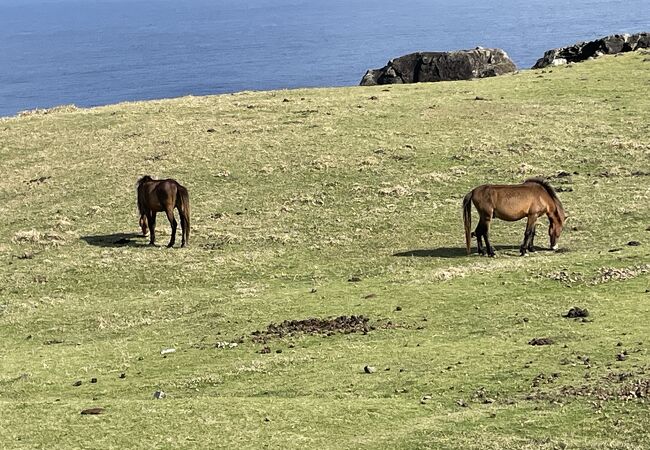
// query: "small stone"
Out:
[369,369]
[278,350]
[158,395]
[621,356]
[634,243]
[354,279]
[461,403]
[166,351]
[93,380]
[77,383]
[398,308]
[267,419]
[210,130]
[122,375]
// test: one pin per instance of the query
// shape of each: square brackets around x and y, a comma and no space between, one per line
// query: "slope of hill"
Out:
[318,204]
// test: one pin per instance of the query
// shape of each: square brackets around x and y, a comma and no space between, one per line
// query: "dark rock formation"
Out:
[441,66]
[608,45]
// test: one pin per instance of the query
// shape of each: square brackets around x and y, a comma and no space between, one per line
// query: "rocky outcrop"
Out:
[441,66]
[616,43]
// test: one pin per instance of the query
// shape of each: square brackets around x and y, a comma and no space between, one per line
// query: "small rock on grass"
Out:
[158,395]
[92,411]
[634,243]
[166,351]
[369,369]
[77,383]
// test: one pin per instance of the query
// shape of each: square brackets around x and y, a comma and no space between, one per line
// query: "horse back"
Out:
[511,202]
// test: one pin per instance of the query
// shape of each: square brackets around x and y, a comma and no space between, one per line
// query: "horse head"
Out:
[556,219]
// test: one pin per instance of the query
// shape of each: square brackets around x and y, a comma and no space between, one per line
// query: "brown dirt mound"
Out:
[314,325]
[576,312]
[541,341]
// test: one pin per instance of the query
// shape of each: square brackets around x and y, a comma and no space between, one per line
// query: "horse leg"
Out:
[143,224]
[151,219]
[531,245]
[486,234]
[480,230]
[172,221]
[528,235]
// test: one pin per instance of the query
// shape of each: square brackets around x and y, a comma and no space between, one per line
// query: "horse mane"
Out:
[549,189]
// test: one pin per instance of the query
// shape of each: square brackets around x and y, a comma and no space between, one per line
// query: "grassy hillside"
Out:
[317,204]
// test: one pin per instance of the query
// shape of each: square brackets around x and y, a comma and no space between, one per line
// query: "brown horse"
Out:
[531,199]
[155,196]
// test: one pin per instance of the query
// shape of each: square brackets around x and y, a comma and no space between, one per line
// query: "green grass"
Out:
[290,199]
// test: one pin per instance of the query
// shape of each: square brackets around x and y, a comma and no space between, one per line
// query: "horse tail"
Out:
[183,204]
[467,220]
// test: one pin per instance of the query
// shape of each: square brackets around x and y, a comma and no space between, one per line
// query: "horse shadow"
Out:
[114,240]
[448,252]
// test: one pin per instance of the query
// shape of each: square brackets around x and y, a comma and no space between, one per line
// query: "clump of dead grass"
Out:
[46,238]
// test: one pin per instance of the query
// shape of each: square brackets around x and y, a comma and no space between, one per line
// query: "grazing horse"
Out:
[531,199]
[163,195]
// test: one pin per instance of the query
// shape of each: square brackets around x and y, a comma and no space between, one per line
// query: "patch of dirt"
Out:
[38,180]
[314,325]
[630,390]
[541,341]
[576,312]
[624,386]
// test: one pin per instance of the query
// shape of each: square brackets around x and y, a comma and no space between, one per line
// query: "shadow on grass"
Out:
[115,240]
[448,252]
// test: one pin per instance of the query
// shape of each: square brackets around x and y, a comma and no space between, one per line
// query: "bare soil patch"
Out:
[576,312]
[314,325]
[541,341]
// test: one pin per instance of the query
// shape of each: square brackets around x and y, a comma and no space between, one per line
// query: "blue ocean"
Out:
[95,52]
